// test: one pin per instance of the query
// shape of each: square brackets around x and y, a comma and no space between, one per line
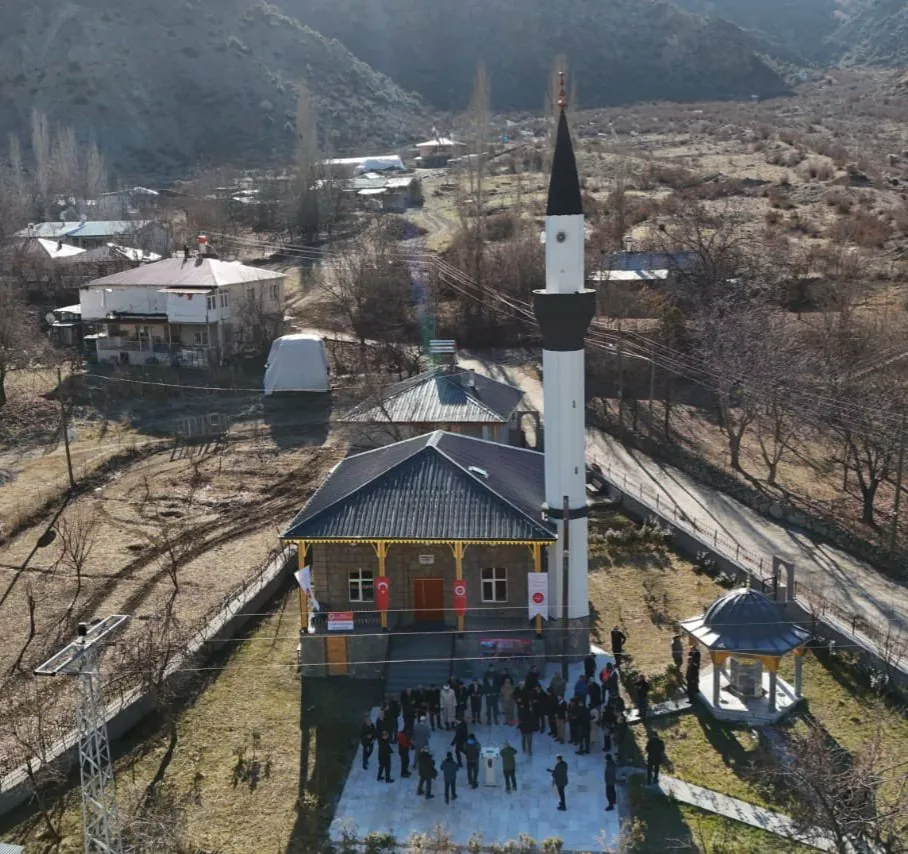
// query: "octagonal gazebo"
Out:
[746,633]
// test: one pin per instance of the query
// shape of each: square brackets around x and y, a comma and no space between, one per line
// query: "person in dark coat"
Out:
[589,667]
[584,726]
[394,715]
[460,698]
[610,684]
[432,698]
[561,710]
[655,756]
[642,686]
[460,738]
[449,772]
[692,681]
[551,710]
[475,694]
[572,721]
[491,685]
[619,638]
[594,694]
[385,750]
[693,655]
[580,689]
[677,651]
[532,679]
[527,725]
[404,744]
[425,766]
[560,779]
[471,751]
[611,780]
[509,767]
[539,707]
[367,740]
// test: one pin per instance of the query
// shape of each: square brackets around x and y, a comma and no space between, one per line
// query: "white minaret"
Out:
[564,310]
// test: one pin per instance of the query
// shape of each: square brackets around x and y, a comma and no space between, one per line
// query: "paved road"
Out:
[837,576]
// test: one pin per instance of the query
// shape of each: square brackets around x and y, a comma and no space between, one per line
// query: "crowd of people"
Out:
[589,714]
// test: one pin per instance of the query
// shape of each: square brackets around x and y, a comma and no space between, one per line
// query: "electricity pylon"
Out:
[82,658]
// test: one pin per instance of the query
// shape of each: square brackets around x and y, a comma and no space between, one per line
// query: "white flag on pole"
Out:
[538,594]
[304,579]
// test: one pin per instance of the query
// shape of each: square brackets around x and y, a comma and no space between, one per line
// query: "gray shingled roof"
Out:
[748,622]
[440,486]
[442,396]
[192,272]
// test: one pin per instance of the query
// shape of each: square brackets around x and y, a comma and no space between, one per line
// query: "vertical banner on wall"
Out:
[538,594]
[460,597]
[382,593]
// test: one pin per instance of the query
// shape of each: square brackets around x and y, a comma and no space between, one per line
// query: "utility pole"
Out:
[82,658]
[620,385]
[64,426]
[565,586]
[652,386]
[898,486]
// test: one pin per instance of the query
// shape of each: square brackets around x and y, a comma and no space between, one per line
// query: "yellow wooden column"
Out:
[537,567]
[304,597]
[458,549]
[381,551]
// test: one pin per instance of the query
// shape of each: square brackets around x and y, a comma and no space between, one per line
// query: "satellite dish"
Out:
[50,317]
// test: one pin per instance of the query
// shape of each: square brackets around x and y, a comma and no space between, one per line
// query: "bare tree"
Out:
[851,800]
[41,154]
[78,532]
[20,340]
[150,826]
[171,538]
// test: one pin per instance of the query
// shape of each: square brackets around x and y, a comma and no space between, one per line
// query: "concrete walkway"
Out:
[841,578]
[715,802]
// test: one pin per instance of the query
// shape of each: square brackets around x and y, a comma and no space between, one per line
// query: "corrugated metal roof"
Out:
[441,397]
[77,228]
[435,487]
[7,848]
[194,272]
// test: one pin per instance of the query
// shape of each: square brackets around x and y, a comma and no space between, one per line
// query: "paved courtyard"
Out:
[369,806]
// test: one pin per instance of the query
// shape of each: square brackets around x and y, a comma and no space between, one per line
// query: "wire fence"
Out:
[886,639]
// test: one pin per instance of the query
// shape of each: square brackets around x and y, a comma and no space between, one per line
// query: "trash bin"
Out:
[490,760]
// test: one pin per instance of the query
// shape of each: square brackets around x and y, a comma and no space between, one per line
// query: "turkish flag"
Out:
[460,597]
[382,593]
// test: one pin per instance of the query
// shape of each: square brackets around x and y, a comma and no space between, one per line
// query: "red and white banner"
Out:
[538,594]
[340,621]
[460,596]
[382,593]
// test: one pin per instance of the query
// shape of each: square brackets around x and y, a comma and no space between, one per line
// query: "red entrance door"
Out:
[428,600]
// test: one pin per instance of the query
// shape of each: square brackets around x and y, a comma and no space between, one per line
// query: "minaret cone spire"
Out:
[564,185]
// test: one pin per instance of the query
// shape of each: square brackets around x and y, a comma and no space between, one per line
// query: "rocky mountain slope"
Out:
[875,32]
[619,50]
[792,29]
[167,84]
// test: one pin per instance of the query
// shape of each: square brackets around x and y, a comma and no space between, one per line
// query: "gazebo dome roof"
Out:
[748,622]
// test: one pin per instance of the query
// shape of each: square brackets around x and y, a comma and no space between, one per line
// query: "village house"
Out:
[350,167]
[435,153]
[148,235]
[192,311]
[388,192]
[445,398]
[439,530]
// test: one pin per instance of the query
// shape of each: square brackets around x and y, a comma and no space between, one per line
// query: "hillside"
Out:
[792,29]
[619,50]
[169,84]
[875,33]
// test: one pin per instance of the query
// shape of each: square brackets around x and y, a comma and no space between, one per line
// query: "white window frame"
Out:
[200,338]
[357,579]
[490,578]
[211,302]
[225,299]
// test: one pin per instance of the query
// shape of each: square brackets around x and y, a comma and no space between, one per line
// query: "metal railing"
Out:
[757,566]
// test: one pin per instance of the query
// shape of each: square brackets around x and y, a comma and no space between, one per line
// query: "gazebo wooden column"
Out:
[771,663]
[799,662]
[718,659]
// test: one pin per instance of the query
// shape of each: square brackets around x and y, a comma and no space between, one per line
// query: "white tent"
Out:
[297,363]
